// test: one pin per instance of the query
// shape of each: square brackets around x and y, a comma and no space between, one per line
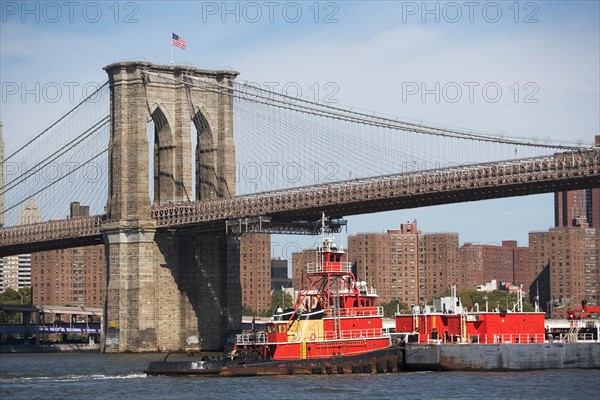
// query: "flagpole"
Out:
[171,54]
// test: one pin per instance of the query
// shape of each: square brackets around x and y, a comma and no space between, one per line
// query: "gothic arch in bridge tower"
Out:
[206,159]
[164,156]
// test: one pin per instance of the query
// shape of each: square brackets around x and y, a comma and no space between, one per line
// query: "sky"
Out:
[543,55]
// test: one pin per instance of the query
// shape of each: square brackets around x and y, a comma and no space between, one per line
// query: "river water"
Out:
[120,376]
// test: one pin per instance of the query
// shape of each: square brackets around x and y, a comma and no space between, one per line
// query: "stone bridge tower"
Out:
[168,290]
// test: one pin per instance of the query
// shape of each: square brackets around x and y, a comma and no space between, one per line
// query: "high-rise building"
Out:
[439,264]
[483,263]
[279,274]
[389,263]
[564,263]
[570,206]
[15,271]
[255,271]
[498,262]
[31,213]
[471,256]
[521,275]
[405,264]
[539,268]
[594,214]
[573,261]
[74,276]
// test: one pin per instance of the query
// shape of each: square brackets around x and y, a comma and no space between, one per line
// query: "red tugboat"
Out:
[334,327]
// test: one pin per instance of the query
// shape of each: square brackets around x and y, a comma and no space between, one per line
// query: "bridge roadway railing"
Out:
[74,228]
[411,189]
[462,178]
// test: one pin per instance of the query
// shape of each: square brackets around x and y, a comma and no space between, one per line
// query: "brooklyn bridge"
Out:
[187,156]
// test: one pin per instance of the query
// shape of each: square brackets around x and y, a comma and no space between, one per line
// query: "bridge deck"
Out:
[564,171]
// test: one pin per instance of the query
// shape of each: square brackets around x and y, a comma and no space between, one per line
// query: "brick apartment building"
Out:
[74,276]
[255,271]
[405,264]
[569,206]
[565,260]
[481,263]
[565,263]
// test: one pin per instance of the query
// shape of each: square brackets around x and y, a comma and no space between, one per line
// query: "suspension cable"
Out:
[45,162]
[53,183]
[53,124]
[288,102]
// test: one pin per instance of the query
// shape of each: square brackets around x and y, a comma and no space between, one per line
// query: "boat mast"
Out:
[327,281]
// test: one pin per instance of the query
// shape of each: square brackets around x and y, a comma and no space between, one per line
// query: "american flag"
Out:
[178,41]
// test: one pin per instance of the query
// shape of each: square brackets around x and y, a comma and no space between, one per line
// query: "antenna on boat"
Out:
[520,301]
[537,297]
[322,245]
[342,238]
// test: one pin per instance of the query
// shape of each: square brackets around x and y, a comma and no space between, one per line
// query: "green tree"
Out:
[279,299]
[12,296]
[15,297]
[390,308]
[496,299]
[248,311]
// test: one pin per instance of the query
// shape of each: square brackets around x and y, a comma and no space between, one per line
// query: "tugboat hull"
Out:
[378,361]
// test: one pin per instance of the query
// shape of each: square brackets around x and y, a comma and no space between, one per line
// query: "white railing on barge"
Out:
[574,337]
[523,338]
[520,338]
